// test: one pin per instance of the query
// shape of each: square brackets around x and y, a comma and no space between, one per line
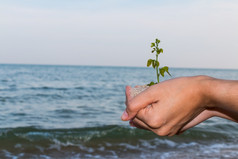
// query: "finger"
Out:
[206,114]
[133,124]
[146,114]
[140,101]
[128,93]
[128,98]
[140,124]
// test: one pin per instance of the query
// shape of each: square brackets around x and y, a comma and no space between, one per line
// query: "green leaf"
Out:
[169,73]
[153,50]
[156,63]
[162,70]
[161,50]
[157,51]
[149,62]
[152,44]
[166,68]
[157,41]
[151,83]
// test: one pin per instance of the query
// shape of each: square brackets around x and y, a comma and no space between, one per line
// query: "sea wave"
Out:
[109,141]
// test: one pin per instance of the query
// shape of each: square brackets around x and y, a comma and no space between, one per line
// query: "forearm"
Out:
[223,97]
[181,103]
[220,98]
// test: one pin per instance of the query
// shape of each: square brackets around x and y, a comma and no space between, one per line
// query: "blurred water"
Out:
[74,112]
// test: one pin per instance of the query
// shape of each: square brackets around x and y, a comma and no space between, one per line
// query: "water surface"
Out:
[74,112]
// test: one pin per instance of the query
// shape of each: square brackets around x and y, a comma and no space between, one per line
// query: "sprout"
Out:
[155,63]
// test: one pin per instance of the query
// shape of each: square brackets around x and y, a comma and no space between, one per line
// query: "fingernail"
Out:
[124,116]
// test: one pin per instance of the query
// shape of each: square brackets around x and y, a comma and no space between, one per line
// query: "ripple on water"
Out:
[18,114]
[65,111]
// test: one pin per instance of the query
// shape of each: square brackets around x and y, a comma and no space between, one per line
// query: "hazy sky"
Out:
[193,33]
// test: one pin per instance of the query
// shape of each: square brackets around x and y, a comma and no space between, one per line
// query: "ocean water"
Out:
[74,112]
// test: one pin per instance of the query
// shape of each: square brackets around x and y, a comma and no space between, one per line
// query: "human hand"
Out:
[174,104]
[181,103]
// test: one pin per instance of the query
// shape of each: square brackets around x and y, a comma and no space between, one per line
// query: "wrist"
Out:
[207,89]
[221,94]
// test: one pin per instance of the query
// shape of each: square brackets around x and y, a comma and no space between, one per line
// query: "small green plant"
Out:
[155,63]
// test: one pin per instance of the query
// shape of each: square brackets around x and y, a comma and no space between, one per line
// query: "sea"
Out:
[49,111]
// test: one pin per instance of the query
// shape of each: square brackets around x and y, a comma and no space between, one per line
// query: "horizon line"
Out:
[114,66]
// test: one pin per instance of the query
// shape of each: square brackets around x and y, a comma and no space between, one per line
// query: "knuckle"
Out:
[155,122]
[163,131]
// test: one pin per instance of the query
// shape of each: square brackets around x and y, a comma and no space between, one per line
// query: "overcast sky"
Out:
[193,33]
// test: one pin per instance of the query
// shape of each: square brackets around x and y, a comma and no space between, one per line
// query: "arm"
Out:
[181,103]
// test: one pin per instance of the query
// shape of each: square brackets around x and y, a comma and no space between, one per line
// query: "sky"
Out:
[193,33]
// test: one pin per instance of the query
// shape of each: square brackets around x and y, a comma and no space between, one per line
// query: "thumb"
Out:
[142,100]
[128,98]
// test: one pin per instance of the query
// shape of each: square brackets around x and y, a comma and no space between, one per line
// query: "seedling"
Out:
[155,62]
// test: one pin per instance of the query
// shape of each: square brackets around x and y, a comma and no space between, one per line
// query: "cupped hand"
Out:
[175,105]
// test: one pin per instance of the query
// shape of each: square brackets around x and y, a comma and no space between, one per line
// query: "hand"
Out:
[176,105]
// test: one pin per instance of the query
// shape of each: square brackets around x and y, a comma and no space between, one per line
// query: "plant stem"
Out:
[157,68]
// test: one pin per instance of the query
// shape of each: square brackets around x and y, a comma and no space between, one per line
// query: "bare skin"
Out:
[181,103]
